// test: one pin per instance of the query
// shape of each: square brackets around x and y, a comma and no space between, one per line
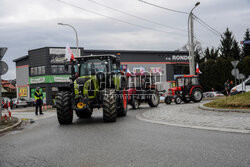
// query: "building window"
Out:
[181,69]
[43,69]
[61,69]
[39,70]
[35,71]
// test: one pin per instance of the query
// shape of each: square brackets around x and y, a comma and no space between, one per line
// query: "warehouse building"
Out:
[44,68]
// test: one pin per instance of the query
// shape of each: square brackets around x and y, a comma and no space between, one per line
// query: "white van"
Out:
[242,87]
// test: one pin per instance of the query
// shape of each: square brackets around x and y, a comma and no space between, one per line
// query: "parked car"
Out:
[6,100]
[242,87]
[30,101]
[213,94]
[19,102]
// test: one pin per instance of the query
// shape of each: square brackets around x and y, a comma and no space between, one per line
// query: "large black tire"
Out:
[64,110]
[196,95]
[168,100]
[154,99]
[109,107]
[85,114]
[135,104]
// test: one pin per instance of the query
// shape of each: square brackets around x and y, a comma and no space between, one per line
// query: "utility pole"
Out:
[191,41]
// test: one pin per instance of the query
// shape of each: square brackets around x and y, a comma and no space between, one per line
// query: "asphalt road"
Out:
[128,142]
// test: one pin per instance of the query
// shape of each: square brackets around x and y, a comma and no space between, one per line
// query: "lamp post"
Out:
[62,24]
[191,40]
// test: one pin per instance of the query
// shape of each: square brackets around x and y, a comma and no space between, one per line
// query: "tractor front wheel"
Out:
[64,110]
[109,106]
[168,100]
[177,100]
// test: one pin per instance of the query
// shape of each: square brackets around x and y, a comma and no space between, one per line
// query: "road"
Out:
[128,142]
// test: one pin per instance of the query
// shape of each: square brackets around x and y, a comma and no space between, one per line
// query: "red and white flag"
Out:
[68,53]
[197,69]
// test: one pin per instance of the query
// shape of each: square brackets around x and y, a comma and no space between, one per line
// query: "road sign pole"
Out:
[2,52]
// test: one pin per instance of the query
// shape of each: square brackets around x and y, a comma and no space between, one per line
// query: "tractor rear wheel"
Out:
[196,95]
[109,106]
[85,113]
[154,99]
[64,110]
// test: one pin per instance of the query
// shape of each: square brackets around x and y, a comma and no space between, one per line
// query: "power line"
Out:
[138,17]
[207,26]
[172,10]
[110,17]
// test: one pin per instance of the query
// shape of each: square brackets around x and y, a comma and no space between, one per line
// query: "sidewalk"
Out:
[189,115]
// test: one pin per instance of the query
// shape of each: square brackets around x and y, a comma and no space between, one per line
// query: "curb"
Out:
[143,118]
[11,127]
[201,106]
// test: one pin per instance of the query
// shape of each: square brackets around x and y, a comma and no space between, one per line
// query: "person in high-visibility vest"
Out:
[39,101]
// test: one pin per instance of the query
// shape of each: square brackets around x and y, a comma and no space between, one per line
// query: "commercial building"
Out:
[44,68]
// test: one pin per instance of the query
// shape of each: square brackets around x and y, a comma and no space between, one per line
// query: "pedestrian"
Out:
[227,87]
[39,101]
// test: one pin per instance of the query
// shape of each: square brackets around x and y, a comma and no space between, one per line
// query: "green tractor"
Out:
[96,82]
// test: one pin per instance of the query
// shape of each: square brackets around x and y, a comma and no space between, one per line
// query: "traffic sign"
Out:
[235,72]
[3,68]
[241,76]
[2,52]
[234,63]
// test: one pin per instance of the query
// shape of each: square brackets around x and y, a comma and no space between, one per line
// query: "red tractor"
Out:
[142,88]
[187,89]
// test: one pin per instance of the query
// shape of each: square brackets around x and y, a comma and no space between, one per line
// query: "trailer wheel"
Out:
[177,100]
[135,104]
[168,100]
[154,99]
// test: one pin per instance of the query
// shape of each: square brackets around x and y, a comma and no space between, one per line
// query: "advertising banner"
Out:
[23,92]
[49,79]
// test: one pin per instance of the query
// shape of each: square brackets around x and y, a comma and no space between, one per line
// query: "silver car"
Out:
[19,102]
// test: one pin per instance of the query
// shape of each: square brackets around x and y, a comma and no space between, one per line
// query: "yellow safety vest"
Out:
[38,95]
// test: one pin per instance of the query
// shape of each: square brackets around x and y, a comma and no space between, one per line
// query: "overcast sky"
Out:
[31,24]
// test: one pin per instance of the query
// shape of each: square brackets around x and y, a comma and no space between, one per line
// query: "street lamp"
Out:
[62,24]
[191,40]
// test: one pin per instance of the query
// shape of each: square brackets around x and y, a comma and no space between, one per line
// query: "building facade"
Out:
[44,68]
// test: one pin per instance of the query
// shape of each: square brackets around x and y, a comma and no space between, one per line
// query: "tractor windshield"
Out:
[92,66]
[180,81]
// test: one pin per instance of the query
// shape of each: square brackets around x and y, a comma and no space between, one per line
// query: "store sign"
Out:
[23,92]
[36,80]
[57,55]
[176,58]
[49,79]
[61,79]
